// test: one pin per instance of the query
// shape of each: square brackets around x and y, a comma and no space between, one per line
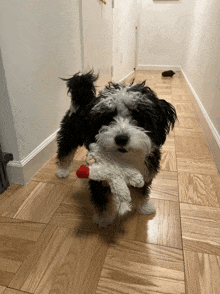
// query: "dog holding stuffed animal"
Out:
[125,125]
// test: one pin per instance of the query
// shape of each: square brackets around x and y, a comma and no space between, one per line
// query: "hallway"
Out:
[49,243]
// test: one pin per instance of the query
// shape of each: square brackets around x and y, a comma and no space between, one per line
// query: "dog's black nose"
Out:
[121,140]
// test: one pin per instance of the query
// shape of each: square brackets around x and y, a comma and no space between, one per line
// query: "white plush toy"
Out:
[103,167]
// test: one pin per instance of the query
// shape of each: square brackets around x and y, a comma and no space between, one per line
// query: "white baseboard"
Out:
[207,118]
[158,67]
[124,78]
[21,172]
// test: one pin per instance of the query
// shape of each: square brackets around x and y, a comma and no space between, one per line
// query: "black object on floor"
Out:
[4,159]
[168,73]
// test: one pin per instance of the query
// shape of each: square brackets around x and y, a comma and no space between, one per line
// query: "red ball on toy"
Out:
[83,172]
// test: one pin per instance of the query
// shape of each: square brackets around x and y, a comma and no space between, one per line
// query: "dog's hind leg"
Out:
[64,165]
[68,140]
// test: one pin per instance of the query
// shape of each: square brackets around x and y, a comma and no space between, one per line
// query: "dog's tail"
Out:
[82,88]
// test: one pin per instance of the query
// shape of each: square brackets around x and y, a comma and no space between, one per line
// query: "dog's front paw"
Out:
[137,181]
[124,207]
[147,208]
[63,172]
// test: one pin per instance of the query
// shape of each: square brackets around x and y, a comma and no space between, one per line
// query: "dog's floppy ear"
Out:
[167,118]
[82,88]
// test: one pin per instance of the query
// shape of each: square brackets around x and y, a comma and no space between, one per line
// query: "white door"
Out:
[97,28]
[125,17]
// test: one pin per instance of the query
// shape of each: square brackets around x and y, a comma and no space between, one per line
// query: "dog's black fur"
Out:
[81,127]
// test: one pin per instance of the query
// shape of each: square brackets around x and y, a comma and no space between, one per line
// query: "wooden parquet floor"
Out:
[50,245]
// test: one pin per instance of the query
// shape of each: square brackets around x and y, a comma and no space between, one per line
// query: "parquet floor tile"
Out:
[199,189]
[202,273]
[20,229]
[17,240]
[193,155]
[62,260]
[14,198]
[134,267]
[47,174]
[76,270]
[53,253]
[168,159]
[184,109]
[165,186]
[200,228]
[196,166]
[38,203]
[192,148]
[188,122]
[75,211]
[163,228]
[50,244]
[185,133]
[32,259]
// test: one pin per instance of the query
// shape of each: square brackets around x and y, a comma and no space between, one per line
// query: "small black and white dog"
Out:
[130,122]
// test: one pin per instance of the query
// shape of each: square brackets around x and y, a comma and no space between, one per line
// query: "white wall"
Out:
[202,61]
[125,19]
[39,42]
[164,32]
